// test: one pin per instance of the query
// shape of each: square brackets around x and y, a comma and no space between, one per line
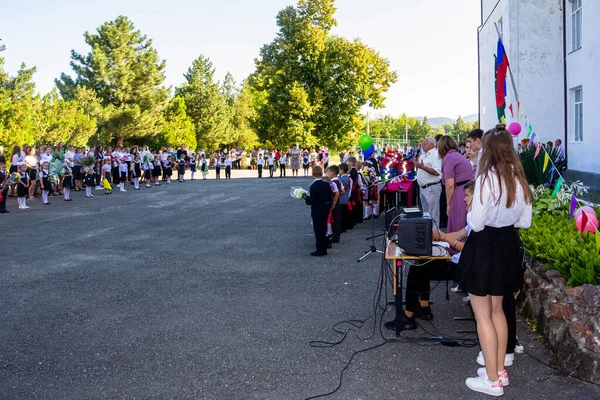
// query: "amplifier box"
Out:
[414,235]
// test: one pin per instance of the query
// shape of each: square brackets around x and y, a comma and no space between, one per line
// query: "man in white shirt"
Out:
[560,150]
[429,178]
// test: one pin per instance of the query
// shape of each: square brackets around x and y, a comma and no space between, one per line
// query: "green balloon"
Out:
[365,141]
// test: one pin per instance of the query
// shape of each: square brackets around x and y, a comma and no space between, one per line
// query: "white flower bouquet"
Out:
[298,193]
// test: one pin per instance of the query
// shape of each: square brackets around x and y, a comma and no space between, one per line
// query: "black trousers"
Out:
[336,226]
[271,168]
[228,172]
[218,172]
[347,217]
[417,285]
[3,201]
[260,168]
[510,312]
[357,211]
[281,170]
[320,229]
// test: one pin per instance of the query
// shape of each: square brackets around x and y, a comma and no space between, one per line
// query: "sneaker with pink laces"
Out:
[503,375]
[482,384]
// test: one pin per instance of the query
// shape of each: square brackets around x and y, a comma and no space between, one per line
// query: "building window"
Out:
[576,24]
[578,114]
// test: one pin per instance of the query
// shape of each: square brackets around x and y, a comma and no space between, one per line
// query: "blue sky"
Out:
[432,44]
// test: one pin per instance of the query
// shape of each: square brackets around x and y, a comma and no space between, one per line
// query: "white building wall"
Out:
[583,70]
[532,36]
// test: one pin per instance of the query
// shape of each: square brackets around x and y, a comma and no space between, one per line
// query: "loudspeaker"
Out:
[414,235]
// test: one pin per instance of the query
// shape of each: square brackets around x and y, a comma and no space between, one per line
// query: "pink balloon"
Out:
[591,225]
[588,210]
[514,128]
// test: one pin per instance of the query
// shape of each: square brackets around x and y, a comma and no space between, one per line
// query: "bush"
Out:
[534,168]
[555,241]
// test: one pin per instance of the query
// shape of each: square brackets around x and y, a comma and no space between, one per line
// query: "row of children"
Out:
[344,197]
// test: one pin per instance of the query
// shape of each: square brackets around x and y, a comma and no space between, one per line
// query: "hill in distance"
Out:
[439,121]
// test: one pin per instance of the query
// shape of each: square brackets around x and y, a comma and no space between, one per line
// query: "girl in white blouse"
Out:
[489,263]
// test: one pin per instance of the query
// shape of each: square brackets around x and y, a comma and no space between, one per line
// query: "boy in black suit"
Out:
[3,177]
[319,201]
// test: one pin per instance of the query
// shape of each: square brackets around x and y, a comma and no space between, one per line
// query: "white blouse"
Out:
[487,211]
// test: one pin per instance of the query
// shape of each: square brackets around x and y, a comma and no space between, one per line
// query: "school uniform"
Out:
[357,206]
[168,169]
[271,166]
[89,177]
[346,208]
[123,171]
[181,168]
[319,201]
[218,168]
[137,169]
[156,171]
[336,213]
[305,164]
[67,181]
[4,194]
[282,167]
[228,163]
[23,190]
[260,164]
[192,164]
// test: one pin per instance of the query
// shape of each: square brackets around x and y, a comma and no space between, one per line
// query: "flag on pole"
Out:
[584,222]
[500,73]
[559,184]
[512,114]
[573,206]
[546,159]
[529,131]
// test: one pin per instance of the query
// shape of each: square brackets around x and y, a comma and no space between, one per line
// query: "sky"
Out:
[432,44]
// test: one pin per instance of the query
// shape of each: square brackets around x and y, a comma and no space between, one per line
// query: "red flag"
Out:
[584,222]
[511,111]
[501,69]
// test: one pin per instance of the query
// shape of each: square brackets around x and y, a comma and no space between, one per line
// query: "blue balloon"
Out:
[369,152]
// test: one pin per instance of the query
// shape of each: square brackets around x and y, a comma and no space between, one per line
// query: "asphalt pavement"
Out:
[206,290]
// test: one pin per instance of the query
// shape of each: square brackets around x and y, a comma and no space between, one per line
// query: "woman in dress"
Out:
[456,172]
[295,159]
[490,266]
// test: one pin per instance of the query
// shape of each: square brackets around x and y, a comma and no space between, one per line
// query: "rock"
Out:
[589,299]
[574,292]
[592,343]
[562,311]
[552,274]
[577,328]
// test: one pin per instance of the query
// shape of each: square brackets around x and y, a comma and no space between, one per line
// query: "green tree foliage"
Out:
[243,115]
[178,128]
[64,121]
[19,107]
[125,72]
[314,83]
[206,105]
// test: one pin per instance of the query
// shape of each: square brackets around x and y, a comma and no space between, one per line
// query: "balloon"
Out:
[514,128]
[591,225]
[365,142]
[369,152]
[587,209]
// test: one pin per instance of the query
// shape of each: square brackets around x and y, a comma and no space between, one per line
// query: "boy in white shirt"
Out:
[282,160]
[271,164]
[260,164]
[228,163]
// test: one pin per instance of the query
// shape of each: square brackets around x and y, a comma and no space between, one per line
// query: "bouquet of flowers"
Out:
[53,178]
[298,193]
[12,179]
[88,161]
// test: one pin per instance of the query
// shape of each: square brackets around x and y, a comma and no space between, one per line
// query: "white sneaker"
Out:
[483,385]
[148,186]
[508,359]
[122,190]
[503,375]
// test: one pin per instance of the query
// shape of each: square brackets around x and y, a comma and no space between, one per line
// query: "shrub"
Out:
[534,168]
[555,241]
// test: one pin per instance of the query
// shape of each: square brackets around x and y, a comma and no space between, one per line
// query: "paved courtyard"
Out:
[205,290]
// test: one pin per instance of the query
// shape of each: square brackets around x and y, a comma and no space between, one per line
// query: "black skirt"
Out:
[22,191]
[77,172]
[489,263]
[47,184]
[67,181]
[89,180]
[32,173]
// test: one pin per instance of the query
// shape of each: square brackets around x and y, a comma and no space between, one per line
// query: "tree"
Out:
[206,105]
[19,107]
[178,128]
[243,116]
[315,83]
[461,128]
[126,74]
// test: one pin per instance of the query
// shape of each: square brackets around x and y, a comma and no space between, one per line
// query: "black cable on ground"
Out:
[560,370]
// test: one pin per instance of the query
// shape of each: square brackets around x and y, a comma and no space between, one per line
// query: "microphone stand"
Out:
[373,248]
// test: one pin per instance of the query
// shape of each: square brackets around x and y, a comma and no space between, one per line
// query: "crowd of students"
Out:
[340,197]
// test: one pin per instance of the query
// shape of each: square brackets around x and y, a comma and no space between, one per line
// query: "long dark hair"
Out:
[500,158]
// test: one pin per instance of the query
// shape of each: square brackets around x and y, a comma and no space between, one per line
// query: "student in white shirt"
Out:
[490,265]
[271,164]
[429,178]
[260,163]
[228,164]
[282,160]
